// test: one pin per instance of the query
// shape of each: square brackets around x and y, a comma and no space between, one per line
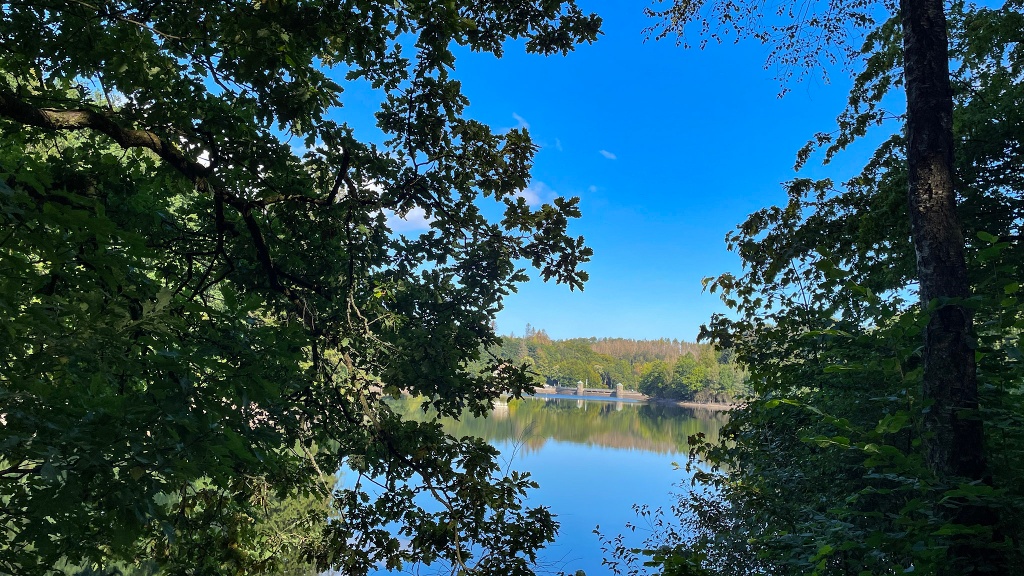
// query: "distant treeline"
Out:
[656,428]
[661,368]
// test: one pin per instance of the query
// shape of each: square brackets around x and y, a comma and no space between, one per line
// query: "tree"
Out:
[847,399]
[687,376]
[656,379]
[949,380]
[816,33]
[206,302]
[956,442]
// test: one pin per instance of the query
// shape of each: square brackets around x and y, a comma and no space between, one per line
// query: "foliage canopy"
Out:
[826,471]
[203,304]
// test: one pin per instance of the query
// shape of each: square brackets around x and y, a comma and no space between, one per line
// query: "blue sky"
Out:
[668,149]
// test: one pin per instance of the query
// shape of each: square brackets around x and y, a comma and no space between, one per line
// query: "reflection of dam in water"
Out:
[590,393]
[619,405]
[500,410]
[533,421]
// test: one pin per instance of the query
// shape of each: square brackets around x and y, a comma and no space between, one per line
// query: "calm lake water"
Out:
[593,460]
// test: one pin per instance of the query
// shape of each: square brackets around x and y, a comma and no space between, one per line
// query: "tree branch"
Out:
[16,109]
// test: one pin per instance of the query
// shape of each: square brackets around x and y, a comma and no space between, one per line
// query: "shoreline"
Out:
[716,406]
[721,406]
[708,406]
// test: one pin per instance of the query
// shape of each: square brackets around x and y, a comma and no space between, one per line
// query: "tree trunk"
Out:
[953,432]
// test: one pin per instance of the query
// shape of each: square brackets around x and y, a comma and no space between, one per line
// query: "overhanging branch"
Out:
[18,110]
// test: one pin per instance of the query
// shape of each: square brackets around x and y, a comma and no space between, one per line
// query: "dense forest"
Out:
[662,368]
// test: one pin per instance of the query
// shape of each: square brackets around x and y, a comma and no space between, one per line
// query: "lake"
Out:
[593,459]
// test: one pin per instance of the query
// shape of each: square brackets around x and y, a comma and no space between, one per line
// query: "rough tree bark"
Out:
[954,434]
[954,446]
[954,440]
[950,380]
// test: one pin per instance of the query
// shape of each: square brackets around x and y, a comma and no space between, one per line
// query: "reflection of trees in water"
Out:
[531,422]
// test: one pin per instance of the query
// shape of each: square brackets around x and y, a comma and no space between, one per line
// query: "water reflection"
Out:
[593,459]
[532,422]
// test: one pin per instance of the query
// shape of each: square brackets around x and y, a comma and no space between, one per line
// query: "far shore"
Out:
[689,404]
[705,405]
[634,396]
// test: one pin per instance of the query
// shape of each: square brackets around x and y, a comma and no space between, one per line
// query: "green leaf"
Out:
[892,423]
[986,237]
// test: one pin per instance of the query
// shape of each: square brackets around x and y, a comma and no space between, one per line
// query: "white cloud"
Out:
[522,123]
[591,188]
[607,154]
[414,220]
[531,196]
[537,193]
[558,144]
[372,185]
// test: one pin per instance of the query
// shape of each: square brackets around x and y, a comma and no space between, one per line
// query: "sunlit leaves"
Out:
[801,36]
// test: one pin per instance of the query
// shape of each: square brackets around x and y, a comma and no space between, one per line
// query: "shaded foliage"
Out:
[205,302]
[825,471]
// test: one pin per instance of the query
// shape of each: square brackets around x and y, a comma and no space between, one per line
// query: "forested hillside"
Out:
[665,368]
